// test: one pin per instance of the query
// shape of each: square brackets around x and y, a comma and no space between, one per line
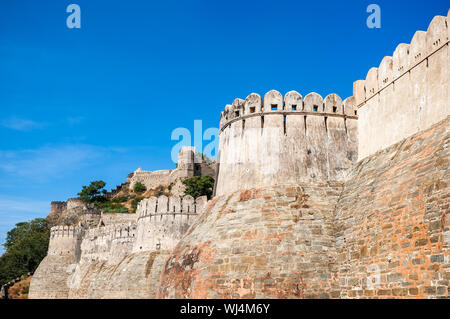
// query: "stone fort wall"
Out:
[80,260]
[308,221]
[188,165]
[290,140]
[408,92]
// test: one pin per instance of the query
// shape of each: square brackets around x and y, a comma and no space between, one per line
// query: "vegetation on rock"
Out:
[139,188]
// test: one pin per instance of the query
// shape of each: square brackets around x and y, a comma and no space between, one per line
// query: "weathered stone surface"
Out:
[394,211]
[274,242]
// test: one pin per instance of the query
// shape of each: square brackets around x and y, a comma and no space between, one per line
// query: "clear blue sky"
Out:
[97,102]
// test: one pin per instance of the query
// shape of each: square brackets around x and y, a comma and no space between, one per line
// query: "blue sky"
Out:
[96,103]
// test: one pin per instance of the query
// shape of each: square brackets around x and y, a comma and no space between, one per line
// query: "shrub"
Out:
[199,186]
[120,199]
[139,188]
[111,207]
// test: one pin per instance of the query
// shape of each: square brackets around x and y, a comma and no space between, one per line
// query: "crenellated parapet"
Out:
[292,104]
[408,92]
[162,221]
[279,140]
[177,205]
[65,240]
[108,243]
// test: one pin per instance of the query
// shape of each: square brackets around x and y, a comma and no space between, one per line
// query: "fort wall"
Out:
[164,220]
[407,93]
[290,140]
[188,165]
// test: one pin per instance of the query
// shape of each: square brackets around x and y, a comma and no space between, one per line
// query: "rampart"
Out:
[109,244]
[65,240]
[162,221]
[290,140]
[188,165]
[80,259]
[407,93]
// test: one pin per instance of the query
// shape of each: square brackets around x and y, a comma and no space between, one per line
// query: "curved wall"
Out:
[290,140]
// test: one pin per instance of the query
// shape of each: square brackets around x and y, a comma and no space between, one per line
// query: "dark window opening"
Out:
[262,121]
[356,112]
[243,124]
[284,124]
[304,121]
[236,113]
[334,109]
[294,107]
[274,107]
[252,109]
[315,108]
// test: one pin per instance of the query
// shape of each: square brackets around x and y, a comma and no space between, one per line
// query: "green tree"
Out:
[26,245]
[139,188]
[94,193]
[199,186]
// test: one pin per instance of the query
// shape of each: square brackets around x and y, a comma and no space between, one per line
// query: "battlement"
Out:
[292,104]
[163,205]
[290,140]
[66,231]
[162,221]
[65,240]
[113,231]
[408,92]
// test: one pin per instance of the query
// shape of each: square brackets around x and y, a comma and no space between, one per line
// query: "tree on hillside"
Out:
[26,245]
[199,186]
[93,193]
[139,188]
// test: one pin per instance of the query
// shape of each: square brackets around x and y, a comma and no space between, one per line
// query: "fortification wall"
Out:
[393,221]
[185,169]
[164,220]
[64,252]
[109,243]
[136,276]
[272,242]
[114,218]
[408,92]
[290,140]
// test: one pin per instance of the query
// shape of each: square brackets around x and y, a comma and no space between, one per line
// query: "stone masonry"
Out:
[314,198]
